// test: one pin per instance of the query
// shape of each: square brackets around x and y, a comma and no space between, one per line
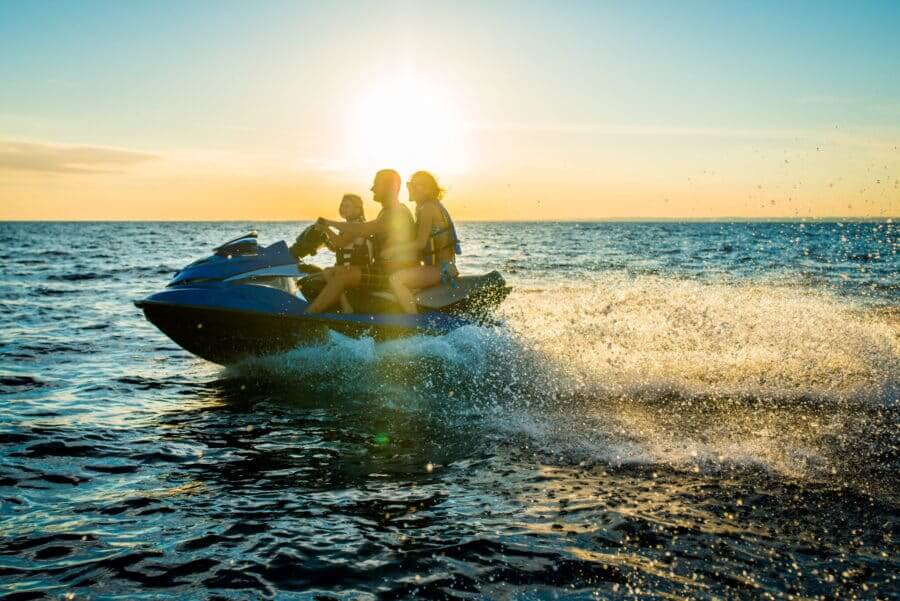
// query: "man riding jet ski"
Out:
[247,299]
[390,233]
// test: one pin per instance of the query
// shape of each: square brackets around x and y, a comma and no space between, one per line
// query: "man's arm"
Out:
[356,230]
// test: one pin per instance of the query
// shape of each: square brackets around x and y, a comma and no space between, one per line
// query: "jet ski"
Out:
[246,299]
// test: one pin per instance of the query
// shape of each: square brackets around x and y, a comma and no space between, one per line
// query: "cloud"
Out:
[53,158]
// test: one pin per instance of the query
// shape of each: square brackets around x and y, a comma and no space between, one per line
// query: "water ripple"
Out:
[668,411]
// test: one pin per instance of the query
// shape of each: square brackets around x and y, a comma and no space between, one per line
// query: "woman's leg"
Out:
[328,275]
[341,279]
[414,278]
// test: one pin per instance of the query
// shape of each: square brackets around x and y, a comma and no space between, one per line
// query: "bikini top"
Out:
[429,254]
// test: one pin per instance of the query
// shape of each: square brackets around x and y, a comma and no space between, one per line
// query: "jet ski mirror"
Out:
[308,242]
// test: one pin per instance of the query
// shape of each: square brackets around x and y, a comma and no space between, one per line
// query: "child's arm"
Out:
[342,240]
[336,241]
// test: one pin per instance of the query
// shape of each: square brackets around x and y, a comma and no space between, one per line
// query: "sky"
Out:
[523,110]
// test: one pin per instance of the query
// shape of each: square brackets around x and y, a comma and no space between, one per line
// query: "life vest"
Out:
[359,252]
[432,248]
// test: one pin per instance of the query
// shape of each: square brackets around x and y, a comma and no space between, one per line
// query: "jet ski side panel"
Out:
[226,336]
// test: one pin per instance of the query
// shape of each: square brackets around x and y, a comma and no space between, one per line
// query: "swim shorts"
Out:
[373,278]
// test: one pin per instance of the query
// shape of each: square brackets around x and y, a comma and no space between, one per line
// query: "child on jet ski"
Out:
[394,227]
[348,250]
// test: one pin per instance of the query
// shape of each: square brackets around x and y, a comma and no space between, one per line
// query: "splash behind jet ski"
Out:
[247,299]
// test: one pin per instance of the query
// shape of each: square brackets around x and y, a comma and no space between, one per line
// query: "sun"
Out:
[406,123]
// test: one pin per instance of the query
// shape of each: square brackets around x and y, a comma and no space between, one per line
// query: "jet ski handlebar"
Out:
[308,242]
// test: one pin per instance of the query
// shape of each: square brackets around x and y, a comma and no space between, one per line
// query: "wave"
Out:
[74,277]
[14,383]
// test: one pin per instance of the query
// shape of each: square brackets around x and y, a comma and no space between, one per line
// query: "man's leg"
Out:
[341,279]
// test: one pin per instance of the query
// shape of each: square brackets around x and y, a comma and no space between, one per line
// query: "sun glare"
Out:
[408,123]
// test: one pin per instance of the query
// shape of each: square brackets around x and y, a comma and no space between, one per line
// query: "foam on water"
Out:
[641,370]
[655,337]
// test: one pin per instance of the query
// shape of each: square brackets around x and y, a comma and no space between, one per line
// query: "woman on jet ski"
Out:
[436,241]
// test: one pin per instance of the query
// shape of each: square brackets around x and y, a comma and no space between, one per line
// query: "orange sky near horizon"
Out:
[795,181]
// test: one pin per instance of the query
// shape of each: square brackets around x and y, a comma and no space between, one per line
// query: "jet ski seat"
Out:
[470,293]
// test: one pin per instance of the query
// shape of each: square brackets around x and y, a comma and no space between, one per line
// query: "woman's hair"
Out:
[357,202]
[426,179]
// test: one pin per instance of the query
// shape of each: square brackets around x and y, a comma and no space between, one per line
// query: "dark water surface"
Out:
[670,411]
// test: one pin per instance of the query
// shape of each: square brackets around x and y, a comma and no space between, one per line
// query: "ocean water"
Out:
[667,411]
